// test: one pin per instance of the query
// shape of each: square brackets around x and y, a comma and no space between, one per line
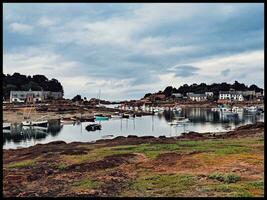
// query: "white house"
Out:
[197,97]
[209,94]
[231,95]
[33,96]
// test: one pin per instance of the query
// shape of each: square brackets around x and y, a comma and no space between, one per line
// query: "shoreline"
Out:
[15,115]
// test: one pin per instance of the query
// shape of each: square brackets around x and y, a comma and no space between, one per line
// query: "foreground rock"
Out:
[141,166]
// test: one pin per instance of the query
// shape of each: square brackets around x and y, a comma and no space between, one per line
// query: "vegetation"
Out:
[228,178]
[87,184]
[22,164]
[202,88]
[162,184]
[18,81]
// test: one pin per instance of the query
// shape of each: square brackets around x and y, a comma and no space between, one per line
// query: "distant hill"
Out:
[18,81]
[202,88]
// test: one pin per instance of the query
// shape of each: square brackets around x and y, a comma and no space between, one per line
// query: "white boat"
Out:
[216,109]
[236,109]
[67,122]
[251,109]
[115,116]
[179,120]
[7,126]
[35,123]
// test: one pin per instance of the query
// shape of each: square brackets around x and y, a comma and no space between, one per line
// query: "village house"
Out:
[209,94]
[231,95]
[33,96]
[177,95]
[197,97]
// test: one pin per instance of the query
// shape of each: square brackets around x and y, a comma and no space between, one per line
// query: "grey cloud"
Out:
[225,72]
[185,70]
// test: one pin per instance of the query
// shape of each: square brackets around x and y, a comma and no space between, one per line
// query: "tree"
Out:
[77,98]
[147,95]
[168,91]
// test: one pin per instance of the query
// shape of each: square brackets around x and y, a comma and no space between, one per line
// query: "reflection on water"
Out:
[19,133]
[201,120]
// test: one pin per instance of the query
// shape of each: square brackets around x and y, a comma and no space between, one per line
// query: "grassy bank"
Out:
[211,167]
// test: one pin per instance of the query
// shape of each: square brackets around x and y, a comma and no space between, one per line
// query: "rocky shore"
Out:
[141,166]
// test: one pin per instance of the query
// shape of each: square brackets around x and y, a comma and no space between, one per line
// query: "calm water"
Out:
[201,120]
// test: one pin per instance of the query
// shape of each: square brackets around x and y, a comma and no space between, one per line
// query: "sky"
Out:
[128,50]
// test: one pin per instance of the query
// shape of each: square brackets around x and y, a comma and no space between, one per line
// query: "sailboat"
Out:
[38,122]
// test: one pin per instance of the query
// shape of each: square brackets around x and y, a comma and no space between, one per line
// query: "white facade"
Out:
[197,97]
[37,96]
[236,96]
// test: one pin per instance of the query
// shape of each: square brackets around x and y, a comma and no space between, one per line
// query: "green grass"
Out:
[62,166]
[217,147]
[22,164]
[162,184]
[87,184]
[226,178]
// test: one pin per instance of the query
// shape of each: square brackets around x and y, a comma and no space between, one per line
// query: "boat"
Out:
[251,109]
[35,123]
[67,122]
[93,127]
[179,120]
[216,109]
[115,116]
[101,118]
[125,116]
[6,126]
[236,109]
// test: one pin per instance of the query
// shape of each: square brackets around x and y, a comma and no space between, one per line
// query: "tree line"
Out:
[202,88]
[22,82]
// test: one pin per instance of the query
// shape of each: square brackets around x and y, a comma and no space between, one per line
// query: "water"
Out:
[202,120]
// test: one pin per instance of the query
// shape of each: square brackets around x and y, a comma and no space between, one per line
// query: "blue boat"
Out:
[101,118]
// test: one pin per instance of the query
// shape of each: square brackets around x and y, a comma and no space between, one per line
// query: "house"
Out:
[197,97]
[231,95]
[209,94]
[33,96]
[177,95]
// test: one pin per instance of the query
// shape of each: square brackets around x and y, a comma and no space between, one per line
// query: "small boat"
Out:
[6,126]
[236,109]
[216,109]
[67,122]
[115,116]
[251,109]
[93,127]
[35,123]
[125,116]
[101,118]
[180,120]
[138,115]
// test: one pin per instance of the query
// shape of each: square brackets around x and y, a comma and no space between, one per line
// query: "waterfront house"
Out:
[231,95]
[33,96]
[197,97]
[177,95]
[209,94]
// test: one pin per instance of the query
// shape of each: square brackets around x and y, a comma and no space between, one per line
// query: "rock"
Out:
[132,136]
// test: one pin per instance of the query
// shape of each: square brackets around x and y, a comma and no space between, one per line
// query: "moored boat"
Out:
[93,127]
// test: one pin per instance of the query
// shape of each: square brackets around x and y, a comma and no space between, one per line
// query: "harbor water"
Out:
[201,120]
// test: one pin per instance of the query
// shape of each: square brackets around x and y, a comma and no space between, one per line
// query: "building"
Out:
[177,95]
[33,96]
[231,95]
[197,97]
[209,94]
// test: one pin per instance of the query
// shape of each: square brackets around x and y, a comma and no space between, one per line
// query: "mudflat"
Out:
[191,165]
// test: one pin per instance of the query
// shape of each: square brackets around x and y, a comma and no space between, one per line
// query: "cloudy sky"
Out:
[127,50]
